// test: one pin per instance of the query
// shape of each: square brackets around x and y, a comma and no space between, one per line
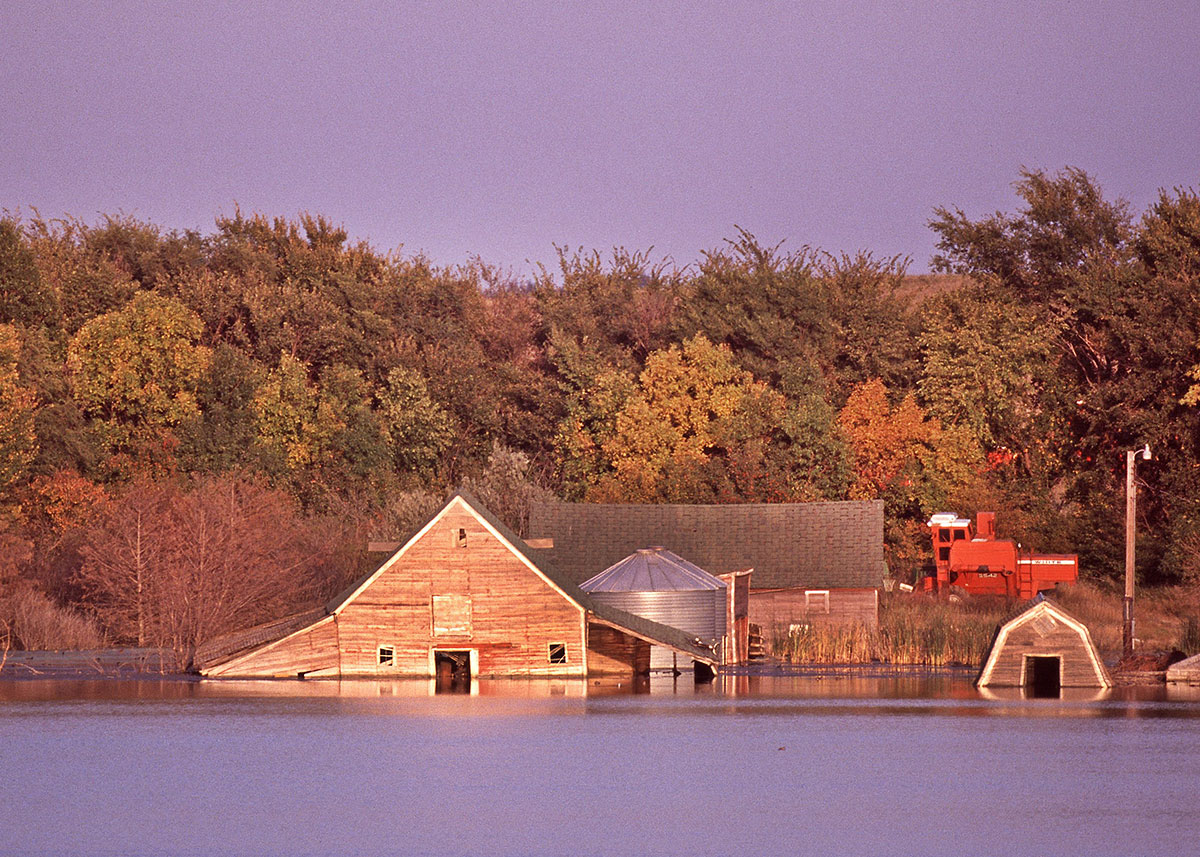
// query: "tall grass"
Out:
[29,620]
[925,631]
[911,631]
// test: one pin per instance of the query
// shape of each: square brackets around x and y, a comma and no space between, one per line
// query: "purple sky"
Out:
[503,129]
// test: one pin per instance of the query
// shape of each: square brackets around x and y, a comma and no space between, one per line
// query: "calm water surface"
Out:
[761,766]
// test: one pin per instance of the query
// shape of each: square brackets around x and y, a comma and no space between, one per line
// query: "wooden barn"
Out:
[464,595]
[814,563]
[1043,649]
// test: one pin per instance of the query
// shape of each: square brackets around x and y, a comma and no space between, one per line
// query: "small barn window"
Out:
[460,538]
[816,600]
[386,656]
[558,653]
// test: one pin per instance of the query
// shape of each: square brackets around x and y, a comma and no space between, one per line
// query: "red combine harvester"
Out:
[982,564]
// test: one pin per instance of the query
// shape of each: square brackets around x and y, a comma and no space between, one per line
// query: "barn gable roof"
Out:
[789,545]
[652,632]
[234,645]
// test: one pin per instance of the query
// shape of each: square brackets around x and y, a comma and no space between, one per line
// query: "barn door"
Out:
[452,671]
[1043,676]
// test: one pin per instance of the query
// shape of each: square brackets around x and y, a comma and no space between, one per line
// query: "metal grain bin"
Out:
[662,586]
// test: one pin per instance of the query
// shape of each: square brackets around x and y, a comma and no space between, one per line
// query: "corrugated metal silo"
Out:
[662,586]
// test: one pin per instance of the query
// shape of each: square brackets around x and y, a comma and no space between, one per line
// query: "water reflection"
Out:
[1068,694]
[783,764]
[928,692]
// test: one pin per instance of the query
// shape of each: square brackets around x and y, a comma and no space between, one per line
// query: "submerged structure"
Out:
[464,597]
[1043,649]
[656,584]
[1185,672]
[813,563]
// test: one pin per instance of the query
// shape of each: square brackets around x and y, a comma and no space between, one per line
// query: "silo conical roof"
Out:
[653,569]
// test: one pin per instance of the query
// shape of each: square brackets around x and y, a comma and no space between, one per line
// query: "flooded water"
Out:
[746,766]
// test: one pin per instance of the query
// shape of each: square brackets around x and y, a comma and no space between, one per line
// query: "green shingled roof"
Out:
[808,545]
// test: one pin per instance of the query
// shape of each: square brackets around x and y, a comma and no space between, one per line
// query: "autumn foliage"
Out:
[180,412]
[172,567]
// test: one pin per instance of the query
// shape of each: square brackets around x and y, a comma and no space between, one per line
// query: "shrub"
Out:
[31,621]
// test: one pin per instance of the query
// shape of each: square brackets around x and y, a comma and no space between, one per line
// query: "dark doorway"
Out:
[1043,676]
[452,671]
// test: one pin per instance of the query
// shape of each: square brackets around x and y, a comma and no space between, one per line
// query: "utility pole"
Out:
[1130,539]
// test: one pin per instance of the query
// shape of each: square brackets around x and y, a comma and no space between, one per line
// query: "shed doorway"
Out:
[1043,676]
[452,671]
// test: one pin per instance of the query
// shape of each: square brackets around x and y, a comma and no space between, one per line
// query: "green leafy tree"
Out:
[872,327]
[24,297]
[135,372]
[984,366]
[595,392]
[64,439]
[821,467]
[769,308]
[18,403]
[697,428]
[297,287]
[358,444]
[623,310]
[418,430]
[220,437]
[293,427]
[83,284]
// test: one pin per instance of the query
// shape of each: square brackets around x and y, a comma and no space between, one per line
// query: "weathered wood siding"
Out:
[776,609]
[1185,672]
[1039,633]
[611,652]
[485,599]
[313,650]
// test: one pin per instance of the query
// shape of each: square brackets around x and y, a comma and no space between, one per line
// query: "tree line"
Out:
[247,407]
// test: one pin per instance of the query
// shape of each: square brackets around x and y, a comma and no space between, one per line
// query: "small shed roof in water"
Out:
[653,569]
[1185,671]
[1043,631]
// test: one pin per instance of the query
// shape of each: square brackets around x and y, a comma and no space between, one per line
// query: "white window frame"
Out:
[816,601]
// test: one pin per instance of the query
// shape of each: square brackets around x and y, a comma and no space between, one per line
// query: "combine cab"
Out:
[982,564]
